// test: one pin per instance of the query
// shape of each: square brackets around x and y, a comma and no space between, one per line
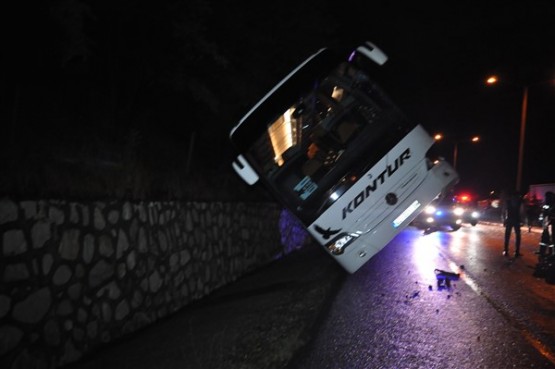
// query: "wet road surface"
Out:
[391,313]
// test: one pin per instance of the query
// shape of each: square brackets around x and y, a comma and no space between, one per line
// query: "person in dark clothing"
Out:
[512,220]
[548,221]
[531,206]
[548,215]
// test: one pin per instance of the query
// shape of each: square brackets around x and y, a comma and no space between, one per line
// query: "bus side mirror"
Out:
[244,170]
[372,52]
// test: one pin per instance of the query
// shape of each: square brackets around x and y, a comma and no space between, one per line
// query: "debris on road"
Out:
[444,278]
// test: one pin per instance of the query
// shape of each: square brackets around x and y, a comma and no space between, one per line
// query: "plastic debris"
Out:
[444,278]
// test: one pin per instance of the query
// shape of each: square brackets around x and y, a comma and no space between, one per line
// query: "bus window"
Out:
[338,154]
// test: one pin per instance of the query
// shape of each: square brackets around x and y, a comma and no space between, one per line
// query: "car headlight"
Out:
[458,211]
[475,214]
[430,209]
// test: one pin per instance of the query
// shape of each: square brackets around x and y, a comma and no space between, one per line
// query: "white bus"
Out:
[330,145]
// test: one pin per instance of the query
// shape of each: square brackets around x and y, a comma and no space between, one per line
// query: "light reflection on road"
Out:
[473,247]
[438,248]
[425,255]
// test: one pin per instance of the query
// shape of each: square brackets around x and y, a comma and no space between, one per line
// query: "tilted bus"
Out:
[332,147]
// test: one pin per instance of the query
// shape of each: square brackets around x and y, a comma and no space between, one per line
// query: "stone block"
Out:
[34,307]
[8,211]
[14,242]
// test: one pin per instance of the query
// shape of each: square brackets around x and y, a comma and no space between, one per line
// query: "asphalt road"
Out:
[391,314]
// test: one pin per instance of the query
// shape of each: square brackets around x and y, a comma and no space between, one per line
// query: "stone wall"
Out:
[75,276]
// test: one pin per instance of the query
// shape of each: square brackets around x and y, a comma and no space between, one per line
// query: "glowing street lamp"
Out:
[491,80]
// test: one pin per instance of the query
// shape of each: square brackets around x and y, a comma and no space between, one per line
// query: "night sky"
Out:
[97,75]
[442,55]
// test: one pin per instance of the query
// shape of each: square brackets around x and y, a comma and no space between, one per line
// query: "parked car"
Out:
[471,208]
[441,213]
[471,215]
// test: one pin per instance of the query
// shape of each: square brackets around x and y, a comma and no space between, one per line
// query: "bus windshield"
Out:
[325,140]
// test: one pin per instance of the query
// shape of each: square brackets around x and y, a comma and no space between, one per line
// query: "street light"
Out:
[473,139]
[491,80]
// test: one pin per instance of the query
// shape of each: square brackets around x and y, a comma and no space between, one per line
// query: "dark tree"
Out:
[134,98]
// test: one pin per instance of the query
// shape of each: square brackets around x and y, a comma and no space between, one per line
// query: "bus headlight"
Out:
[339,244]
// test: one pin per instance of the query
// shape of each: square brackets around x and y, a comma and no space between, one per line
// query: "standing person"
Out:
[511,219]
[549,214]
[548,220]
[531,207]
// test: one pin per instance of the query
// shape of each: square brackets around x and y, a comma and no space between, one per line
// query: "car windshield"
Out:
[446,201]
